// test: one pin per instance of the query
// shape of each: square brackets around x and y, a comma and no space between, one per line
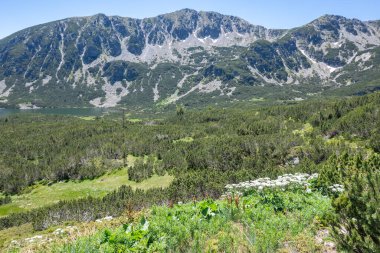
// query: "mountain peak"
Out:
[186,10]
[105,61]
[328,18]
[99,15]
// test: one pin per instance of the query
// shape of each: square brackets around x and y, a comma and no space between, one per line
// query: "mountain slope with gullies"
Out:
[185,57]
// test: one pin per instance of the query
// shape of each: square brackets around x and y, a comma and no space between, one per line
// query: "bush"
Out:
[141,171]
[356,223]
[5,200]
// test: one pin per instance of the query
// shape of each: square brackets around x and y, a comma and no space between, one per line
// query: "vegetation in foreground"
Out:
[288,214]
[261,222]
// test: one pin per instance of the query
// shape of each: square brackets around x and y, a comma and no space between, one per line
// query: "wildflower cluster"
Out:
[32,240]
[41,239]
[336,188]
[67,230]
[298,180]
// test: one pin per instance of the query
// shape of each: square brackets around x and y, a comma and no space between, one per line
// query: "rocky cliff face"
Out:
[185,55]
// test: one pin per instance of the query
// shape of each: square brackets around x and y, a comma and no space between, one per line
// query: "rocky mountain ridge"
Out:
[182,56]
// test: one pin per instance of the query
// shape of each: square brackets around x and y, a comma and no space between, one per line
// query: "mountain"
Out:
[186,56]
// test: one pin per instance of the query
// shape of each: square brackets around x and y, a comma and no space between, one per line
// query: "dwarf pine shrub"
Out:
[356,223]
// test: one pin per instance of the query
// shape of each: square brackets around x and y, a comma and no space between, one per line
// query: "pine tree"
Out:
[357,221]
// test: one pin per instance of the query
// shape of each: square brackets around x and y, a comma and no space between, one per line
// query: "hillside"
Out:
[264,221]
[195,157]
[188,57]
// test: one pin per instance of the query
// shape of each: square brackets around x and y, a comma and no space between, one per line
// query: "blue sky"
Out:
[19,14]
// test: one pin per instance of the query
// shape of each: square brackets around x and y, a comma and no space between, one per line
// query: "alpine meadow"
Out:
[190,131]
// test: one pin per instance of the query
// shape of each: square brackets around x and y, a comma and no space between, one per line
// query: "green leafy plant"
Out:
[208,208]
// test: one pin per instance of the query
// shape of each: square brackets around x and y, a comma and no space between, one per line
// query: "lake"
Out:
[59,111]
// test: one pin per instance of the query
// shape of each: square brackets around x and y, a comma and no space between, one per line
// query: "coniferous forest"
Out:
[208,154]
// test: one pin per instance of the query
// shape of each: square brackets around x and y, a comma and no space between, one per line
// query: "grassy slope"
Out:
[41,195]
[216,226]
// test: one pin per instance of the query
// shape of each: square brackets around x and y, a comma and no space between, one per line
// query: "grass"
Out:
[277,219]
[21,233]
[14,233]
[255,99]
[87,117]
[186,139]
[252,225]
[41,195]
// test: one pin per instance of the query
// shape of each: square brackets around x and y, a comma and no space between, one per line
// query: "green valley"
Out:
[61,170]
[41,195]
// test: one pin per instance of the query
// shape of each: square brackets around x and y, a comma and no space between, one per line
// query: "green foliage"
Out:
[227,146]
[42,195]
[375,140]
[208,209]
[5,200]
[87,209]
[180,111]
[356,223]
[273,199]
[62,149]
[141,170]
[207,226]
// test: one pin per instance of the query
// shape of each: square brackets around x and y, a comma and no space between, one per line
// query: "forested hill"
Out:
[185,56]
